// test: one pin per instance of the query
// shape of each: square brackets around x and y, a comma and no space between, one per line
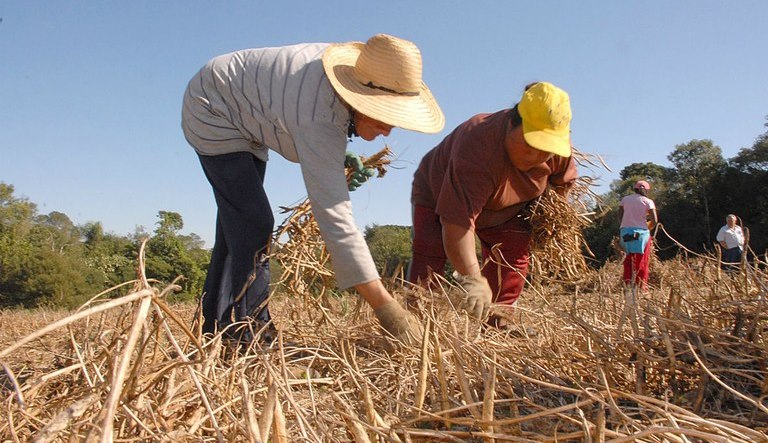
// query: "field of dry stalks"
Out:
[586,361]
[684,362]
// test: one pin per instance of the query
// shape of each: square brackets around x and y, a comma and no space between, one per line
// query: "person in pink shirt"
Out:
[637,214]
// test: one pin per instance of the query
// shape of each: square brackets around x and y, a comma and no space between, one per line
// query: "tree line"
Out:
[47,260]
[693,197]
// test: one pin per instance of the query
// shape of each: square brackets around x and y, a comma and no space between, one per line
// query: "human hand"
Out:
[360,174]
[399,323]
[475,295]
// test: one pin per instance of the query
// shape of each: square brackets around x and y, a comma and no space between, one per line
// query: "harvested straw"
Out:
[557,240]
[689,374]
[693,368]
[300,251]
[558,222]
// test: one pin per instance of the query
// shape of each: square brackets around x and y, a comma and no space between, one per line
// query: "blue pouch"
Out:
[633,240]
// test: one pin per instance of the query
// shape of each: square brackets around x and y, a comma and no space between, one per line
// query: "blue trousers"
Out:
[237,284]
[731,257]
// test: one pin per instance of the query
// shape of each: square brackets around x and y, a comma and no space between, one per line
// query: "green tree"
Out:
[16,251]
[170,254]
[740,191]
[113,257]
[41,256]
[754,159]
[390,246]
[58,232]
[46,260]
[169,224]
[698,164]
[694,196]
[658,176]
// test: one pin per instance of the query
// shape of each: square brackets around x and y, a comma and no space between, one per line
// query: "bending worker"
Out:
[476,182]
[635,212]
[303,102]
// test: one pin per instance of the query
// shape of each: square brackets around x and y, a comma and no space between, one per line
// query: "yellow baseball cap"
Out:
[546,113]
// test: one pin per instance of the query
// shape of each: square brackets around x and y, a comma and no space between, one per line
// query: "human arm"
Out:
[720,237]
[325,180]
[459,243]
[621,213]
[321,151]
[564,174]
[466,182]
[471,176]
[653,216]
[460,248]
[374,293]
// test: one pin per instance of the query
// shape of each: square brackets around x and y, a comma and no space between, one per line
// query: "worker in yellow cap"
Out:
[476,182]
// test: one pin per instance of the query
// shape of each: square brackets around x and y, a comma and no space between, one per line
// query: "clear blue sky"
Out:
[90,92]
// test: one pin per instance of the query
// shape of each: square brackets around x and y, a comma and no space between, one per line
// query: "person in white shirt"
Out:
[731,239]
[635,213]
[304,102]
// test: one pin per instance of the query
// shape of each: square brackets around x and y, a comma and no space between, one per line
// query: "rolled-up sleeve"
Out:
[321,149]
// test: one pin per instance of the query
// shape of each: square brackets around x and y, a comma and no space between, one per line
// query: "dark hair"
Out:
[514,117]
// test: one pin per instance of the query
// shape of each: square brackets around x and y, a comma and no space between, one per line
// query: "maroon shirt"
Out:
[469,180]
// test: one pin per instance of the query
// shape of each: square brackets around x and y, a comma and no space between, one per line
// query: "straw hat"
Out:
[382,79]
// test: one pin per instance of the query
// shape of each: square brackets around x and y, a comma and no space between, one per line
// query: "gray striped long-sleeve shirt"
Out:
[280,99]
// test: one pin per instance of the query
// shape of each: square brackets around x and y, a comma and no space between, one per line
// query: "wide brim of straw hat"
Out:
[417,112]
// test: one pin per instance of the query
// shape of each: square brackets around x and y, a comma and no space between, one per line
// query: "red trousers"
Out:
[637,265]
[507,245]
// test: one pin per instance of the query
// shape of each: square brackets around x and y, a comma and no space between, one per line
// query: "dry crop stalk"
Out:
[543,386]
[300,250]
[190,391]
[558,223]
[557,237]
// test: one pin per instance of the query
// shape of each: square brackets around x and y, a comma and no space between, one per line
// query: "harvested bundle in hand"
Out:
[558,222]
[557,238]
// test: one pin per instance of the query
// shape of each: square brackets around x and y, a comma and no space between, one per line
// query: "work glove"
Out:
[400,323]
[360,174]
[474,296]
